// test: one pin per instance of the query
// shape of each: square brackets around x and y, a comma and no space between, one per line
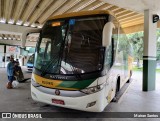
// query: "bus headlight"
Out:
[34,83]
[94,89]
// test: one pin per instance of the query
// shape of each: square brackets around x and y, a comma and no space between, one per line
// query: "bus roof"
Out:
[82,13]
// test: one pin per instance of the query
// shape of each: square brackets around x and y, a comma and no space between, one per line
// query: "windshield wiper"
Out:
[77,75]
[60,53]
[62,47]
[53,62]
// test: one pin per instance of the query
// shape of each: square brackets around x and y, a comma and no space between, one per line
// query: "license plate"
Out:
[61,102]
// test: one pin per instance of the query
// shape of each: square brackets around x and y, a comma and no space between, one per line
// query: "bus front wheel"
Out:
[117,89]
[130,77]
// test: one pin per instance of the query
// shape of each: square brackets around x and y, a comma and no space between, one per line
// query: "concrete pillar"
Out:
[149,55]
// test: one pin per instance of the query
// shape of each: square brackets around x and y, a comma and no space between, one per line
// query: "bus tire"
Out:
[118,84]
[128,81]
[117,89]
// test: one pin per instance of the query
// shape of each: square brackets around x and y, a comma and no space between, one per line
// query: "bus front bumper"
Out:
[95,102]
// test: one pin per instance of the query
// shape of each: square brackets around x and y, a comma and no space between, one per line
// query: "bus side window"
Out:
[110,54]
[108,57]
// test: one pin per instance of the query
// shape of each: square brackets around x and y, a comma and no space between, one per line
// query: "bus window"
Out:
[111,50]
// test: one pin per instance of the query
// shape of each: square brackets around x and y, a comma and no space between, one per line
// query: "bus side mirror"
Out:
[107,34]
[26,33]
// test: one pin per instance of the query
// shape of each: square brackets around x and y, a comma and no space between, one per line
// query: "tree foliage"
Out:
[137,41]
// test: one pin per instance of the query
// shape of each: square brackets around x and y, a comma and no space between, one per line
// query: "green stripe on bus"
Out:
[76,84]
[67,84]
[83,84]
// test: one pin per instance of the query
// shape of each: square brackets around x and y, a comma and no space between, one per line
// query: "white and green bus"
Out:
[79,62]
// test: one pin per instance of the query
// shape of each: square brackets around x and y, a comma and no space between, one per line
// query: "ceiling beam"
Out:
[14,6]
[10,42]
[66,7]
[9,37]
[102,6]
[133,29]
[117,9]
[0,8]
[113,8]
[72,5]
[120,12]
[91,5]
[130,17]
[30,9]
[39,12]
[51,10]
[132,23]
[74,8]
[79,1]
[84,5]
[133,19]
[13,37]
[5,9]
[124,13]
[8,9]
[19,9]
[97,6]
[106,8]
[3,36]
[13,29]
[18,37]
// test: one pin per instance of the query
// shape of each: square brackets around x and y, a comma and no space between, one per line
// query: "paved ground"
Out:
[135,100]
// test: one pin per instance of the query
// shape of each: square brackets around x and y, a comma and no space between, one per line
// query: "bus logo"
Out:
[56,77]
[57,92]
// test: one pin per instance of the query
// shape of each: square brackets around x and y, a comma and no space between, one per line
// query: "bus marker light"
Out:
[61,102]
[91,104]
[33,94]
[56,23]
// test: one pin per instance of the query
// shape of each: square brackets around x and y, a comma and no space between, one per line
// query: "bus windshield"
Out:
[71,46]
[31,59]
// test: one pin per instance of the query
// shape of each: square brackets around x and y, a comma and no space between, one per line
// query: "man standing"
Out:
[10,72]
